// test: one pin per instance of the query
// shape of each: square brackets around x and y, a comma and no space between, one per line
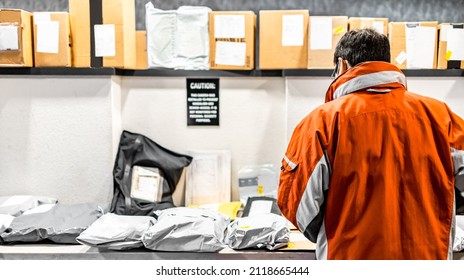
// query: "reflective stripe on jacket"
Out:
[371,173]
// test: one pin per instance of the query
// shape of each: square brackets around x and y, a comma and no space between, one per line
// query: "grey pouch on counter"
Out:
[186,230]
[61,224]
[116,232]
[267,231]
[15,205]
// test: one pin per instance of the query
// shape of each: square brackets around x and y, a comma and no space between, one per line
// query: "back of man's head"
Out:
[362,45]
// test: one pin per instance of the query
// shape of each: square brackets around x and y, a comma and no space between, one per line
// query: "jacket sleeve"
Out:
[305,176]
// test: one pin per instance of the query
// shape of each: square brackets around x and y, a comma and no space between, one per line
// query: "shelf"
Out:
[67,71]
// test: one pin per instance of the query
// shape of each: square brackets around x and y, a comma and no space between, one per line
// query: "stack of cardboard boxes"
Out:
[101,33]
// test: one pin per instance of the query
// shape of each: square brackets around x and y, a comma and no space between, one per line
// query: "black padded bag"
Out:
[138,150]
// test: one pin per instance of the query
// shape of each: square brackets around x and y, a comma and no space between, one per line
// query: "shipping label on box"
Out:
[451,46]
[413,45]
[15,38]
[324,35]
[232,36]
[52,39]
[283,39]
[378,24]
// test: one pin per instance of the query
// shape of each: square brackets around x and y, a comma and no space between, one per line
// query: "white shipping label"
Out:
[146,184]
[229,26]
[105,40]
[48,36]
[260,207]
[292,30]
[41,16]
[230,53]
[444,32]
[420,47]
[456,44]
[378,26]
[321,33]
[9,40]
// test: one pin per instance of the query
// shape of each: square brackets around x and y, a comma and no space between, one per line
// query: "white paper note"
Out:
[9,38]
[230,53]
[378,26]
[321,33]
[420,47]
[292,30]
[48,35]
[229,26]
[105,40]
[41,16]
[260,207]
[401,58]
[444,32]
[456,43]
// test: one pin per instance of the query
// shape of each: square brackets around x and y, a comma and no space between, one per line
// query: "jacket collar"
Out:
[373,76]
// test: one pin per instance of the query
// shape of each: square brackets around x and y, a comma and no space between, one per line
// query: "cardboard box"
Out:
[52,39]
[141,52]
[420,38]
[232,40]
[283,39]
[103,33]
[15,38]
[445,55]
[379,24]
[324,35]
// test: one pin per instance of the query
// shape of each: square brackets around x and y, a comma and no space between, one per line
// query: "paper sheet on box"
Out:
[230,53]
[41,16]
[9,38]
[321,33]
[456,43]
[444,32]
[378,26]
[48,34]
[105,40]
[292,30]
[229,26]
[420,47]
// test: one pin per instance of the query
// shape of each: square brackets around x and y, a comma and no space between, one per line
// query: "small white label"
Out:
[260,207]
[378,26]
[48,35]
[9,38]
[321,33]
[401,58]
[456,43]
[105,40]
[229,26]
[146,184]
[41,16]
[230,53]
[444,32]
[292,30]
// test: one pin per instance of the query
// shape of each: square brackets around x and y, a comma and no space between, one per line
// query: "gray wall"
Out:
[395,10]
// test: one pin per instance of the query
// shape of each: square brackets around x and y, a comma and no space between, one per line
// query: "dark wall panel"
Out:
[395,10]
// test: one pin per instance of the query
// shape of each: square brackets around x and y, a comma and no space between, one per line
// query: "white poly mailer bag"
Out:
[184,229]
[16,205]
[192,38]
[267,231]
[161,33]
[116,232]
[5,221]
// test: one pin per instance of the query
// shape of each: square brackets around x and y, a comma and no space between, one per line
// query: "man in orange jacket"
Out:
[373,172]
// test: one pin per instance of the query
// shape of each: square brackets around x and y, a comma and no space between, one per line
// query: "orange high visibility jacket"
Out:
[371,173]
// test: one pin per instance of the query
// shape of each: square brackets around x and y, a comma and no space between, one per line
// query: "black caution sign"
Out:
[203,102]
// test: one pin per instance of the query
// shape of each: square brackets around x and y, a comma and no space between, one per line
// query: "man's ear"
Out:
[343,65]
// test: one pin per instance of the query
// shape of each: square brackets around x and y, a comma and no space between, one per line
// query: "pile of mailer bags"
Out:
[141,214]
[30,219]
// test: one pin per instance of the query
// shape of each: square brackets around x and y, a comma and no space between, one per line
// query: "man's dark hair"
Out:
[362,45]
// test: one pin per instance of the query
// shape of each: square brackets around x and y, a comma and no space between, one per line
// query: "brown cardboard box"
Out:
[115,18]
[443,55]
[58,54]
[397,37]
[321,55]
[365,22]
[232,48]
[141,52]
[17,25]
[283,39]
